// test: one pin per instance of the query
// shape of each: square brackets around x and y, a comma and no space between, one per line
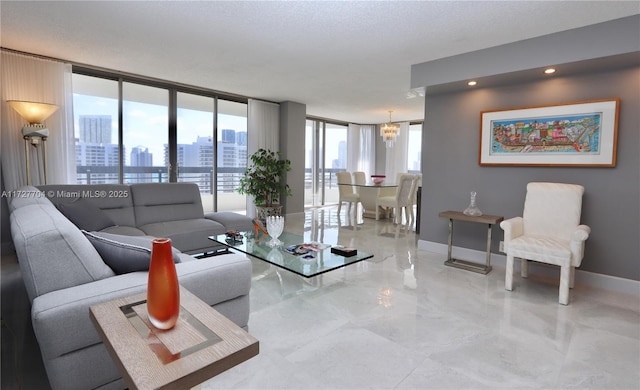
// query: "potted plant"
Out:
[264,180]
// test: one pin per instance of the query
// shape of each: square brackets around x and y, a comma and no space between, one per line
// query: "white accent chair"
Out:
[345,191]
[400,200]
[549,231]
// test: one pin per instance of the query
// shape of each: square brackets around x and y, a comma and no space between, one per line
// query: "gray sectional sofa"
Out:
[64,274]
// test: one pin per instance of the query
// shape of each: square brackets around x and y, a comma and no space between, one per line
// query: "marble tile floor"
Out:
[403,320]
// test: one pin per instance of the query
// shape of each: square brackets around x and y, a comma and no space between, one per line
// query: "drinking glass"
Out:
[275,225]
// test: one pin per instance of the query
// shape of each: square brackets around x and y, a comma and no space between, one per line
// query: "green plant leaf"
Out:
[264,178]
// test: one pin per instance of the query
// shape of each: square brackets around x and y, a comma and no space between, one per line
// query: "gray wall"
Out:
[575,49]
[292,133]
[611,204]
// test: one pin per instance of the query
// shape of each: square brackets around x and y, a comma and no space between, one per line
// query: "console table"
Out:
[490,220]
[202,344]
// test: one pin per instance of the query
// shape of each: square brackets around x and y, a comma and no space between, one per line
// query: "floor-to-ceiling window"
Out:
[232,154]
[168,134]
[414,153]
[95,110]
[145,120]
[326,153]
[313,163]
[194,151]
[335,159]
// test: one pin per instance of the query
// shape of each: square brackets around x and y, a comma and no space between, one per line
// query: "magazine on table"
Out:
[303,249]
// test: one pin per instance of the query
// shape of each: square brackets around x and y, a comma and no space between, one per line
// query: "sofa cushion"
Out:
[189,236]
[124,230]
[164,202]
[53,254]
[115,200]
[125,254]
[85,214]
[231,221]
[26,196]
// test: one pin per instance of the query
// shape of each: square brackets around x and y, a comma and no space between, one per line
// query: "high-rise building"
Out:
[228,136]
[341,161]
[200,154]
[95,128]
[141,157]
[90,157]
[241,138]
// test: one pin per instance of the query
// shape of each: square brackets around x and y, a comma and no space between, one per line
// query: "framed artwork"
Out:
[574,134]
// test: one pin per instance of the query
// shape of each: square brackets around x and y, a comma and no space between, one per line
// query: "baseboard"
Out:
[586,278]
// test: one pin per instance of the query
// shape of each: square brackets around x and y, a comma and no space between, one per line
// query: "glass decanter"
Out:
[472,210]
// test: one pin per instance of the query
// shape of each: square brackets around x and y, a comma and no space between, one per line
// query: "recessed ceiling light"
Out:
[549,71]
[472,83]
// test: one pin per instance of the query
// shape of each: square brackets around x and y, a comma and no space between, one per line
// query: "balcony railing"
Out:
[228,179]
[224,187]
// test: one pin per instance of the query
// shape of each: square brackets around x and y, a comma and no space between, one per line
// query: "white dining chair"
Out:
[359,178]
[400,200]
[414,198]
[345,191]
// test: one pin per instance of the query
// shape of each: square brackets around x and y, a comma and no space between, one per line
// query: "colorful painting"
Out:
[571,134]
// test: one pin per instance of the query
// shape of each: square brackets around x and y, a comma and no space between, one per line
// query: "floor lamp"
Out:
[35,133]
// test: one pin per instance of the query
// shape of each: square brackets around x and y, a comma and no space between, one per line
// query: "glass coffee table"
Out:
[309,265]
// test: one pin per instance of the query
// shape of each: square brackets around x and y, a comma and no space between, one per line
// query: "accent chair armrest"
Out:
[513,228]
[576,245]
[581,234]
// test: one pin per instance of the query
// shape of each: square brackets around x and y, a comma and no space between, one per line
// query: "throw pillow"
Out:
[85,215]
[124,254]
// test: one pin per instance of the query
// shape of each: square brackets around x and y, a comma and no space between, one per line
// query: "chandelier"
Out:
[389,131]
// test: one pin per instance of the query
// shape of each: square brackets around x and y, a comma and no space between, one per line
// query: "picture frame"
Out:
[579,134]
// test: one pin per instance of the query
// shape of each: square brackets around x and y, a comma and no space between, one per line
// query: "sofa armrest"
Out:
[513,228]
[61,318]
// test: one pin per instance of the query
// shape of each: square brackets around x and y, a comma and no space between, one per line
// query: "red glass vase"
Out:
[163,290]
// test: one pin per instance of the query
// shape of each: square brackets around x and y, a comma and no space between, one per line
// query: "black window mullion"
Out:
[120,131]
[173,167]
[214,181]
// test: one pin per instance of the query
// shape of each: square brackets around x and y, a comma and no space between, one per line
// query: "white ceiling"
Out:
[345,60]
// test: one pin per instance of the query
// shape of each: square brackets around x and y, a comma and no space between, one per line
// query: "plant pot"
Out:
[262,212]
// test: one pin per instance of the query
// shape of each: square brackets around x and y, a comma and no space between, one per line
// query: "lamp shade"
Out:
[34,113]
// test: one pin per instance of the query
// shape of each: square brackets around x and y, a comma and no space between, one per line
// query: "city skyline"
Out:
[94,130]
[153,119]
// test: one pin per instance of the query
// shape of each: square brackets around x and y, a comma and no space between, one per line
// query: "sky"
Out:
[146,124]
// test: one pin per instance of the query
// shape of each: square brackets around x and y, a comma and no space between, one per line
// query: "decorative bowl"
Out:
[378,179]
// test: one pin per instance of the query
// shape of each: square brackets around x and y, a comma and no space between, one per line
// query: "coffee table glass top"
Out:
[308,266]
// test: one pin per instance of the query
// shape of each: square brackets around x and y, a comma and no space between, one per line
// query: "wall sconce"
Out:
[389,131]
[35,133]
